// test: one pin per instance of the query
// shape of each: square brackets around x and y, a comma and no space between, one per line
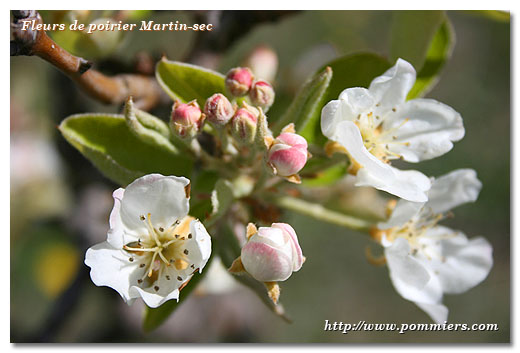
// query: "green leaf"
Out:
[412,33]
[221,198]
[117,152]
[145,134]
[356,70]
[439,52]
[203,185]
[154,317]
[186,82]
[325,176]
[305,109]
[152,122]
[323,170]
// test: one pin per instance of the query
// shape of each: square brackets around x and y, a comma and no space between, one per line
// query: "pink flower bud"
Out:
[262,94]
[239,81]
[243,124]
[218,109]
[273,253]
[263,61]
[288,154]
[186,119]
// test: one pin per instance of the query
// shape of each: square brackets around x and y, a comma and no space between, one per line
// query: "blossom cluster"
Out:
[246,124]
[377,125]
[154,246]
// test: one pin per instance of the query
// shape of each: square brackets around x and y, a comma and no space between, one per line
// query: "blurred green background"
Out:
[60,203]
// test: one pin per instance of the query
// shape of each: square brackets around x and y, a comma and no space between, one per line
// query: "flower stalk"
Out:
[321,213]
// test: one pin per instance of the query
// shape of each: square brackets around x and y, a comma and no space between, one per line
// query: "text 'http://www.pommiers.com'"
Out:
[340,326]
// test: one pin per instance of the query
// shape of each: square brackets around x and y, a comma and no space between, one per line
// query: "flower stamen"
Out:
[151,229]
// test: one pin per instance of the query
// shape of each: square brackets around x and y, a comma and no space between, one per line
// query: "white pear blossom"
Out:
[377,125]
[153,246]
[426,260]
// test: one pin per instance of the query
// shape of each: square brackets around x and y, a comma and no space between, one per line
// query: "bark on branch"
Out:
[145,91]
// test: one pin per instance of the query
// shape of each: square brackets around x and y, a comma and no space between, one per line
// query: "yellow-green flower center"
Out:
[161,248]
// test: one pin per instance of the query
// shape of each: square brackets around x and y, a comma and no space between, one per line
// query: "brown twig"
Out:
[110,90]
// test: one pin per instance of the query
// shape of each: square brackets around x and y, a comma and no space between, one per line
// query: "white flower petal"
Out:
[199,246]
[163,197]
[358,101]
[266,263]
[115,218]
[431,293]
[154,300]
[412,280]
[391,88]
[410,185]
[275,238]
[352,102]
[438,312]
[425,129]
[118,235]
[269,235]
[111,267]
[349,136]
[453,189]
[465,263]
[297,255]
[330,114]
[402,213]
[403,267]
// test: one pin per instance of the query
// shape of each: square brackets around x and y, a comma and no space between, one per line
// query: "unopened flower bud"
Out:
[186,119]
[262,94]
[272,254]
[288,154]
[239,81]
[243,124]
[218,109]
[263,61]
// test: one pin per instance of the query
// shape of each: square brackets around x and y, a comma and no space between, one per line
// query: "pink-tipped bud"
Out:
[288,154]
[187,119]
[272,254]
[239,81]
[243,124]
[263,61]
[262,94]
[218,109]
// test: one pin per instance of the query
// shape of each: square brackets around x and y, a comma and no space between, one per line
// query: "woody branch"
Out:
[107,89]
